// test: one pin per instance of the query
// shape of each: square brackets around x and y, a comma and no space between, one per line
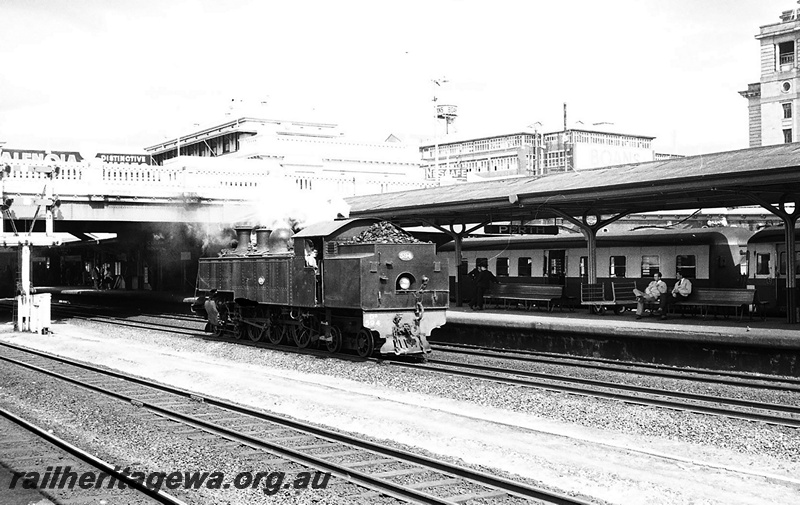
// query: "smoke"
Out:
[293,208]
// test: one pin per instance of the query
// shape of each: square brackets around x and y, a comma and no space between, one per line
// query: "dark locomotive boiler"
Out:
[349,284]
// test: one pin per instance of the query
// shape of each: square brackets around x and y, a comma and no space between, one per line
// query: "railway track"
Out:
[377,468]
[25,446]
[772,413]
[654,370]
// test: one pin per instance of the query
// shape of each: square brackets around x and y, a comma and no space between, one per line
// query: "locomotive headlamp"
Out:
[405,281]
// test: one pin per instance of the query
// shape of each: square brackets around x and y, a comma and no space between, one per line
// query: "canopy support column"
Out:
[590,222]
[789,218]
[457,237]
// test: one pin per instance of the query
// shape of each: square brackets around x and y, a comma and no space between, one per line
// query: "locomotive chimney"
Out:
[243,236]
[262,240]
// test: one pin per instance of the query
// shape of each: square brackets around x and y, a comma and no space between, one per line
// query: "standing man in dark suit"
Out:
[483,280]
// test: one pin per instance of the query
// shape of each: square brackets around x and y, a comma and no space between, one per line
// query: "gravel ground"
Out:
[125,435]
[606,449]
[741,436]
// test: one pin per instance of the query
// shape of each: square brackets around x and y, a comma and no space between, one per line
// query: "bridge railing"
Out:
[234,180]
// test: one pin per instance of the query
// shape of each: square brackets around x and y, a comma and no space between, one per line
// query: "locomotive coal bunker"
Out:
[349,284]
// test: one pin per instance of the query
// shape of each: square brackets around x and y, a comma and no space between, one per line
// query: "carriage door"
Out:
[556,266]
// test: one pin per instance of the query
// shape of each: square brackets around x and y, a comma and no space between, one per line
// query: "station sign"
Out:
[520,229]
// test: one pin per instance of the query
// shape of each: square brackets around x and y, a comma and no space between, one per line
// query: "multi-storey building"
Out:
[317,155]
[772,102]
[532,153]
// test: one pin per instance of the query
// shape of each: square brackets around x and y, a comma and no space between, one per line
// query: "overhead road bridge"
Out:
[98,196]
[766,176]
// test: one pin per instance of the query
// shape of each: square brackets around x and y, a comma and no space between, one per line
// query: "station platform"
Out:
[772,332]
[769,346]
[141,295]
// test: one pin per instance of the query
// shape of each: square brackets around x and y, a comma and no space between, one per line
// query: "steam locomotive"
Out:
[354,284]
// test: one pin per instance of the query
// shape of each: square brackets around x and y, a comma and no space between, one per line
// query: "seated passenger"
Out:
[652,293]
[681,291]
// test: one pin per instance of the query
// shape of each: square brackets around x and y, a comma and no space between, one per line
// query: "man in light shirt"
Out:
[655,291]
[681,291]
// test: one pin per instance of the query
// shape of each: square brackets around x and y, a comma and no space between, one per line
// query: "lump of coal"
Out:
[382,233]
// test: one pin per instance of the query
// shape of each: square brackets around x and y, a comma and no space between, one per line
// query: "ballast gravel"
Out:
[608,450]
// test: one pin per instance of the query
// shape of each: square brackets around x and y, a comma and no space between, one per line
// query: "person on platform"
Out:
[483,280]
[94,274]
[211,310]
[655,291]
[681,291]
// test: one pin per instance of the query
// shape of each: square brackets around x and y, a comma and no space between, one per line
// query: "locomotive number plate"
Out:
[405,255]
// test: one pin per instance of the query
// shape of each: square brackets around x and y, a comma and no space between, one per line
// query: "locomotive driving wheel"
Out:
[278,333]
[306,331]
[301,334]
[335,343]
[365,343]
[239,330]
[257,333]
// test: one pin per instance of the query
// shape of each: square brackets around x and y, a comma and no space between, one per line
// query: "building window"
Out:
[502,267]
[786,53]
[524,267]
[687,265]
[650,265]
[762,263]
[787,135]
[787,110]
[616,266]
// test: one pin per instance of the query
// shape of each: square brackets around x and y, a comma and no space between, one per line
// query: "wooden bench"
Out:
[737,298]
[527,294]
[594,296]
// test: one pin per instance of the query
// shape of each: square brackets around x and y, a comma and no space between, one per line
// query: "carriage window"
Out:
[502,267]
[762,263]
[796,263]
[617,266]
[524,267]
[650,265]
[687,265]
[584,267]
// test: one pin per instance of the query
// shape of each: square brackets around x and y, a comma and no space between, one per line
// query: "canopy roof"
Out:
[726,179]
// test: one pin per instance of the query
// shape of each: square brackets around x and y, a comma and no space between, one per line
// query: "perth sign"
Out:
[519,229]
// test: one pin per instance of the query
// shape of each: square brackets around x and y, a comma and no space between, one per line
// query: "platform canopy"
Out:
[728,179]
[591,199]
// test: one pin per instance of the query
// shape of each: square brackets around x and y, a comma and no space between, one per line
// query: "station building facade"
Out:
[773,101]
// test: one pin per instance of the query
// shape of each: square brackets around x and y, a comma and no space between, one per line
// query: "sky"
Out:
[118,76]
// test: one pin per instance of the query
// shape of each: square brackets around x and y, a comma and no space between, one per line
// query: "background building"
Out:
[317,155]
[773,101]
[530,153]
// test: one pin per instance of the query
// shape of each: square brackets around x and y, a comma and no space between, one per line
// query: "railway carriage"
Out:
[710,257]
[767,266]
[340,283]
